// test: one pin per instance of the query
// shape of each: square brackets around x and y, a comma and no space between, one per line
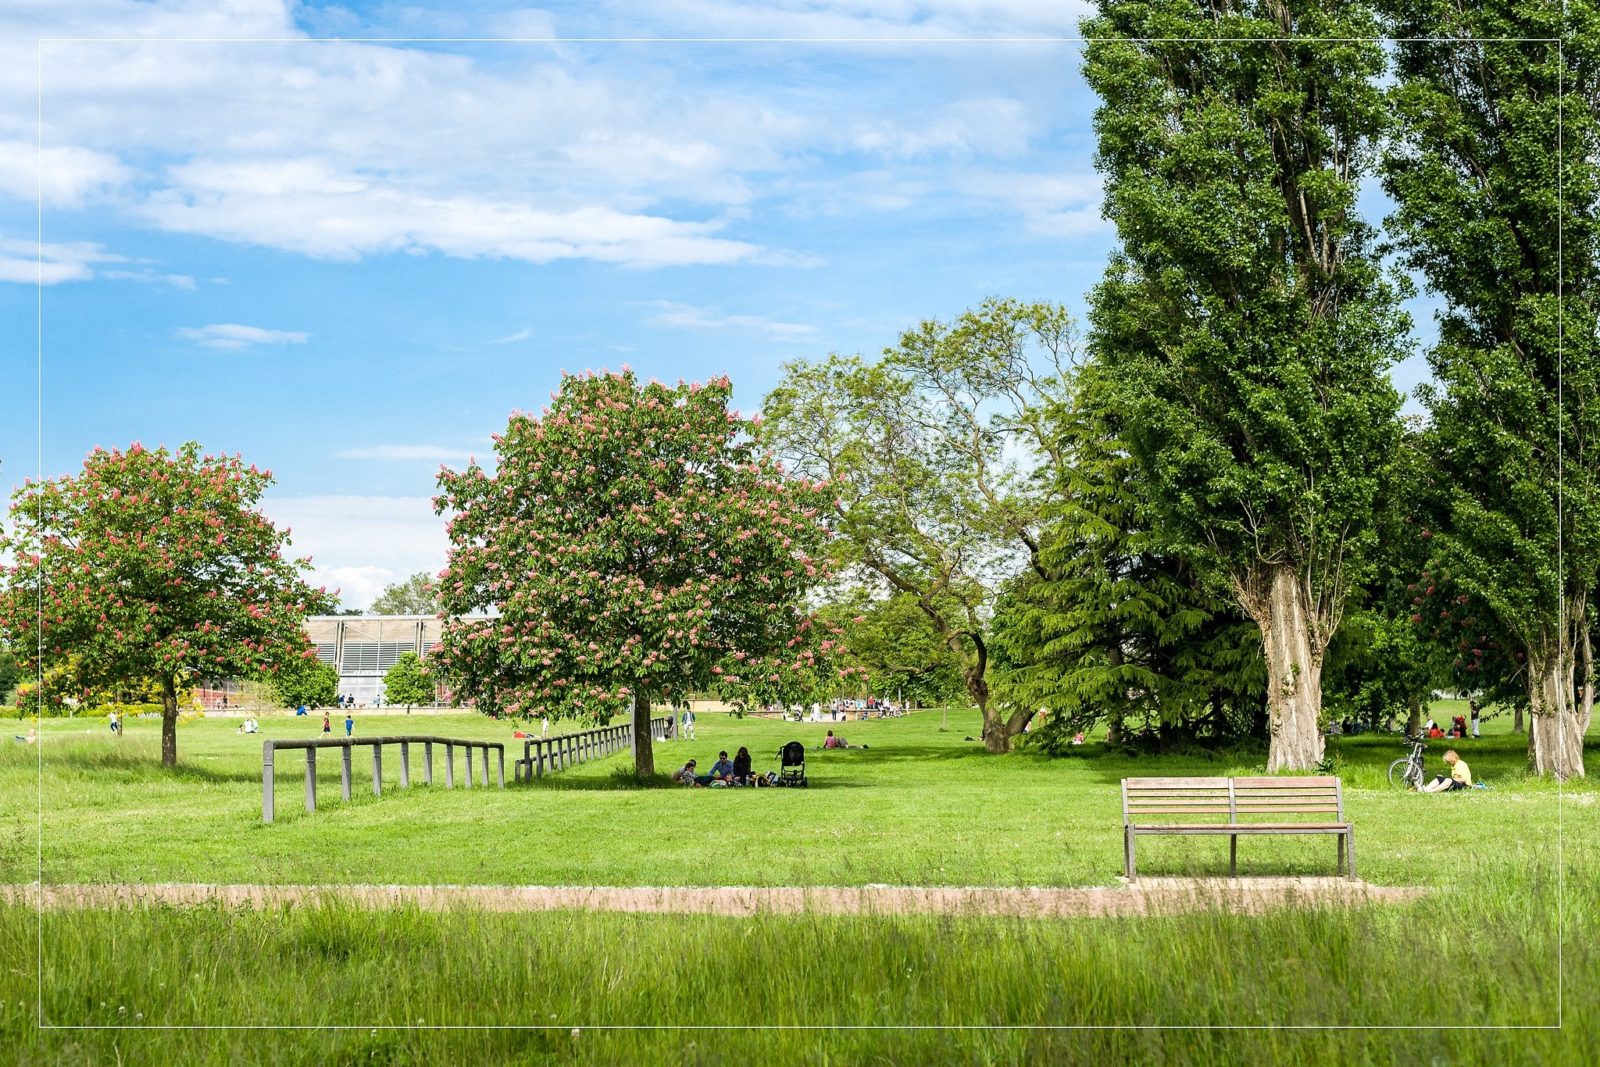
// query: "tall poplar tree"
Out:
[1494,171]
[1245,314]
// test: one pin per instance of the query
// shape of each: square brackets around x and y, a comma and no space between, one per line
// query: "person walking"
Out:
[544,727]
[327,727]
[116,724]
[1475,719]
[349,724]
[688,724]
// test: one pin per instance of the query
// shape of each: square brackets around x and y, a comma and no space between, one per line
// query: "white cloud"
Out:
[1052,205]
[305,206]
[689,317]
[150,277]
[406,453]
[362,543]
[965,127]
[357,587]
[512,338]
[231,335]
[62,175]
[30,262]
[531,152]
[851,20]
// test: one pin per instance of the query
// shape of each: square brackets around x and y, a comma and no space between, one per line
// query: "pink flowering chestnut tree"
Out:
[153,564]
[632,545]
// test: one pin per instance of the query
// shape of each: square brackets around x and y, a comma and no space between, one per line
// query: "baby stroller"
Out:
[792,764]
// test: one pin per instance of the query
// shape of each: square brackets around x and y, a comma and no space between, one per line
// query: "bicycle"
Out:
[1406,772]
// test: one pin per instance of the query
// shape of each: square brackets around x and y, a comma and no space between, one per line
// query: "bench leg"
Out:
[1350,854]
[1342,868]
[1129,868]
[1233,855]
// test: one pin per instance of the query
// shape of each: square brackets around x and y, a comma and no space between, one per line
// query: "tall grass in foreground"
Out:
[1484,957]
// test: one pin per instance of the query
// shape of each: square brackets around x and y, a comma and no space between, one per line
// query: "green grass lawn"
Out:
[918,807]
[1481,958]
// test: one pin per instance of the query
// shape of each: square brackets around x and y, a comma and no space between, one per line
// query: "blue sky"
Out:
[350,261]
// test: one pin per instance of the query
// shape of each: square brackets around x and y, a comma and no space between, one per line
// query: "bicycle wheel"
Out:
[1401,774]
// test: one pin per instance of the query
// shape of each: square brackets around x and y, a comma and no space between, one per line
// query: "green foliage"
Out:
[633,540]
[417,595]
[306,681]
[10,672]
[408,682]
[1118,628]
[939,455]
[896,649]
[1498,207]
[1245,320]
[160,566]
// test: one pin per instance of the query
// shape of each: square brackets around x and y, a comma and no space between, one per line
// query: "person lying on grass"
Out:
[1460,776]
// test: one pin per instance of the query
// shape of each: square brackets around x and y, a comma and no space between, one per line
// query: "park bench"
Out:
[1231,807]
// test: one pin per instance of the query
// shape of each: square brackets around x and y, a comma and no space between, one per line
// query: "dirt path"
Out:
[1149,896]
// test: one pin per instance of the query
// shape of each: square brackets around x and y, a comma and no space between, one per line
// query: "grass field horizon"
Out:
[1483,967]
[918,806]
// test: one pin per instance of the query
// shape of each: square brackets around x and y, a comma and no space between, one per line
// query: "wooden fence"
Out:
[377,744]
[542,755]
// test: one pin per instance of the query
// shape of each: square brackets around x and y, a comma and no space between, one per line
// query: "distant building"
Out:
[362,648]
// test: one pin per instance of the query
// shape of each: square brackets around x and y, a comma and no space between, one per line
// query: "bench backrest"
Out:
[1231,797]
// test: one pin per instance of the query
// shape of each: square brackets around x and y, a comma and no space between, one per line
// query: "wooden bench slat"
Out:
[1152,782]
[1286,783]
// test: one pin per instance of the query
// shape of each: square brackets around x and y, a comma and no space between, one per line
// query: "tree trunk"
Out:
[1516,719]
[1585,705]
[1294,668]
[1556,734]
[997,731]
[169,723]
[1414,720]
[644,756]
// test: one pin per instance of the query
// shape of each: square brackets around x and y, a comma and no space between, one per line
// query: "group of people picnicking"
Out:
[1461,727]
[724,773]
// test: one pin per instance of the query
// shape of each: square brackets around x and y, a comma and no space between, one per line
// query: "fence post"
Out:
[311,779]
[344,771]
[502,768]
[377,770]
[449,765]
[405,764]
[486,769]
[268,781]
[468,762]
[427,762]
[539,756]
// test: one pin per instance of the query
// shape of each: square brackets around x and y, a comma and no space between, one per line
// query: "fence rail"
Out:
[377,744]
[541,755]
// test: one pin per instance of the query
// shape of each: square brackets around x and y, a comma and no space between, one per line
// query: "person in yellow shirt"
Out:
[1460,775]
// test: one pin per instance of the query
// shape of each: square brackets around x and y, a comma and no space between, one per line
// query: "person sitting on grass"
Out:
[686,775]
[741,767]
[1460,776]
[722,770]
[832,742]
